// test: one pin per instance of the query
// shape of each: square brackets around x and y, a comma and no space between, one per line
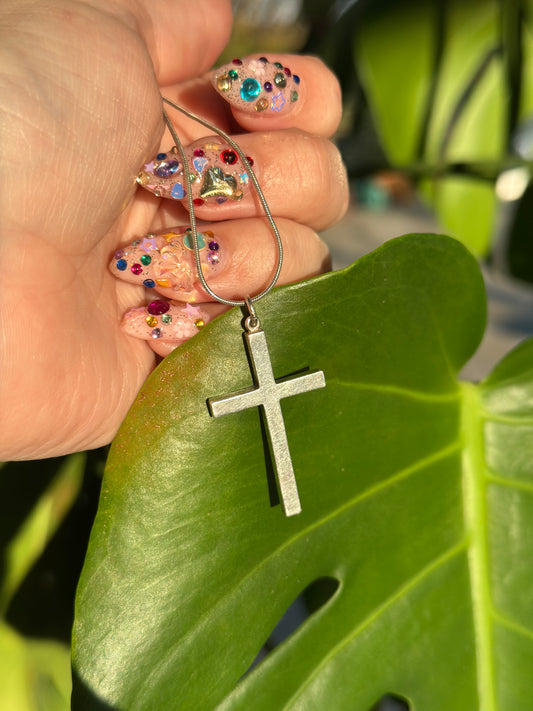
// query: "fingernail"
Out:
[164,320]
[217,173]
[257,85]
[166,260]
[163,176]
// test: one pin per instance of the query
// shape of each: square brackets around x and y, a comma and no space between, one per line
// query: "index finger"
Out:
[317,111]
[281,91]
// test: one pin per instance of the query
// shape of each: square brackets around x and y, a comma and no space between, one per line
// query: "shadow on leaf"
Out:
[389,702]
[84,699]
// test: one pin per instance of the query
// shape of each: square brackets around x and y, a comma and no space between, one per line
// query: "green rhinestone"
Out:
[278,65]
[294,96]
[166,318]
[188,241]
[233,74]
[280,80]
[146,259]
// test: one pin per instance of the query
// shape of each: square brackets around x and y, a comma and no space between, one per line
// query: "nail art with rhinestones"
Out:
[164,320]
[257,85]
[166,260]
[217,174]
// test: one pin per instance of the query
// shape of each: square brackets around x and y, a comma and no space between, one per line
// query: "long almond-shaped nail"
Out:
[165,320]
[257,85]
[217,173]
[166,260]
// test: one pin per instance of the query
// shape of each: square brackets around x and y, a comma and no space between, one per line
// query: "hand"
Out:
[82,85]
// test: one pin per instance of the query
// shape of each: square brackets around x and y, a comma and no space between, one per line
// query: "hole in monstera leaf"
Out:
[390,702]
[315,596]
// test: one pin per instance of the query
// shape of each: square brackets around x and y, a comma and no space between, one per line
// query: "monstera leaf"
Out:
[449,85]
[417,496]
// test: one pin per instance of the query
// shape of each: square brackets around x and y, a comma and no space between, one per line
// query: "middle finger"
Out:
[302,177]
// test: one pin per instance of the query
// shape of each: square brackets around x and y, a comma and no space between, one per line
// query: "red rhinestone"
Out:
[136,269]
[250,160]
[236,61]
[198,152]
[229,157]
[287,71]
[198,201]
[158,307]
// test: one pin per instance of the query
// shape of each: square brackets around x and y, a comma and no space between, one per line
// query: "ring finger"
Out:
[238,259]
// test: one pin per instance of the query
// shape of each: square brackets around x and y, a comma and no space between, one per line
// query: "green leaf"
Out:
[467,206]
[526,89]
[416,494]
[40,525]
[467,116]
[505,432]
[35,674]
[434,75]
[397,74]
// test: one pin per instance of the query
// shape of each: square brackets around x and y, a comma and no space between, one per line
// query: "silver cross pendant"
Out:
[267,394]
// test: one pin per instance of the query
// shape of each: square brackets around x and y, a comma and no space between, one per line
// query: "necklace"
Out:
[266,392]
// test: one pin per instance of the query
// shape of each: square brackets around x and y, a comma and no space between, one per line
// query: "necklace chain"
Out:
[246,300]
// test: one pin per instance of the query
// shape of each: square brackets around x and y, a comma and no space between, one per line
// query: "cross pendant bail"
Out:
[267,394]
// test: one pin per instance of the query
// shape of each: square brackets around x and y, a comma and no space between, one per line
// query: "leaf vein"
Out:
[510,482]
[304,532]
[475,513]
[402,392]
[507,419]
[505,621]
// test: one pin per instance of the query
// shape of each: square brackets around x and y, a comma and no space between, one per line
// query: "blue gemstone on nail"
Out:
[296,78]
[122,264]
[149,283]
[161,156]
[200,163]
[177,191]
[250,89]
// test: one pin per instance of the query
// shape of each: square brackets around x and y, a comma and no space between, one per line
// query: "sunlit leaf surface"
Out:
[417,511]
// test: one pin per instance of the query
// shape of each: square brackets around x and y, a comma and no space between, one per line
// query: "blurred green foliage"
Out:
[47,511]
[439,91]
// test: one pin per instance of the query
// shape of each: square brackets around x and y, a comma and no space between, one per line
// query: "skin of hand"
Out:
[81,113]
